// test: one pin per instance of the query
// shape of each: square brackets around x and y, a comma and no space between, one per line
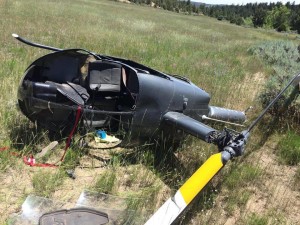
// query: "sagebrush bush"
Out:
[284,58]
[278,53]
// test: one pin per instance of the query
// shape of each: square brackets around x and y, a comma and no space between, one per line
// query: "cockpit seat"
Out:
[104,77]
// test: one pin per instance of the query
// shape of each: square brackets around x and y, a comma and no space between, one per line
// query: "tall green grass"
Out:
[45,183]
[288,149]
[211,53]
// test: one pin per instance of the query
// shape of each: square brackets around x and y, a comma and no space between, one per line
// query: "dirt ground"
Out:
[276,196]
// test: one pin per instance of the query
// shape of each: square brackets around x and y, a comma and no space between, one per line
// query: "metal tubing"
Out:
[189,125]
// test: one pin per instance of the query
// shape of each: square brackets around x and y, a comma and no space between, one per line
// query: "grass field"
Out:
[256,189]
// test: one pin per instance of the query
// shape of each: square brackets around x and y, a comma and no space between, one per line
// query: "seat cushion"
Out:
[104,76]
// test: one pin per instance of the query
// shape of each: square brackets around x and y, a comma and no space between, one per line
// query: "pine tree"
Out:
[259,17]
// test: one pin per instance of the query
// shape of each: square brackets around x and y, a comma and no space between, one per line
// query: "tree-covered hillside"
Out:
[274,15]
[268,15]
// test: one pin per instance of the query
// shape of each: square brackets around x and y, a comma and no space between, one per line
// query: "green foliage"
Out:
[295,20]
[278,18]
[171,5]
[259,17]
[248,22]
[239,21]
[278,53]
[46,182]
[289,149]
[283,57]
[220,18]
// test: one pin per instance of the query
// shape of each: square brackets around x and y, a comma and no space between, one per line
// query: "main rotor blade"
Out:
[174,206]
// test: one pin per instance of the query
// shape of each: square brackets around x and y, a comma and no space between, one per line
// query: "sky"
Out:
[240,2]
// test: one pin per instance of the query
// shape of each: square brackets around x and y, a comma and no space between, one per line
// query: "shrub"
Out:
[284,54]
[239,21]
[284,58]
[220,18]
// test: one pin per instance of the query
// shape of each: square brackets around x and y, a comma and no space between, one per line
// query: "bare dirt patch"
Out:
[276,193]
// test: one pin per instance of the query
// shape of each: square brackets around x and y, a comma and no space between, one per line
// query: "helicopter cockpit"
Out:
[72,78]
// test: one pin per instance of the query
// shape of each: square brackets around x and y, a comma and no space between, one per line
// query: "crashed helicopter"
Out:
[116,95]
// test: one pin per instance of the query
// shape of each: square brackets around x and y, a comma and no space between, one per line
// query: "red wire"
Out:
[78,114]
[31,161]
[4,148]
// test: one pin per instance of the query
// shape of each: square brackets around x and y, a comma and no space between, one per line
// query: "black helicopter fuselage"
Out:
[117,95]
